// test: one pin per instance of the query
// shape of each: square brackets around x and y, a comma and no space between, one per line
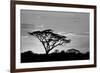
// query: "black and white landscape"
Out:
[54,36]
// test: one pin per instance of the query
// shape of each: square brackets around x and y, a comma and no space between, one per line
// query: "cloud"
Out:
[27,26]
[71,34]
[40,26]
[84,34]
[79,34]
[62,33]
[24,36]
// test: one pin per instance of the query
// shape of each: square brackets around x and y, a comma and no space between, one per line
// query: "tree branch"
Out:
[49,39]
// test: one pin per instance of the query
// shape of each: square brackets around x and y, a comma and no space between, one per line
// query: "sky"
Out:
[73,25]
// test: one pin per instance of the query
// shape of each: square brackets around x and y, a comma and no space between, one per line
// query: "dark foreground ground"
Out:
[29,56]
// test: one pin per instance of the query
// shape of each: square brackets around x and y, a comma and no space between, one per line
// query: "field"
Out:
[29,56]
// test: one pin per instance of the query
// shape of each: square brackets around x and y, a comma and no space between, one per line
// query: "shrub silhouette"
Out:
[73,51]
[56,51]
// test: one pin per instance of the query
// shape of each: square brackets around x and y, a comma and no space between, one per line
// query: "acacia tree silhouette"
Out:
[49,39]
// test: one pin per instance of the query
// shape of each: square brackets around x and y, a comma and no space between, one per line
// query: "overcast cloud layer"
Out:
[71,24]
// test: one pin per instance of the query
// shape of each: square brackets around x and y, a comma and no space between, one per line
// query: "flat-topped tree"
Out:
[49,39]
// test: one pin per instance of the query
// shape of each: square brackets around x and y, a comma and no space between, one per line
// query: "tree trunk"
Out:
[47,52]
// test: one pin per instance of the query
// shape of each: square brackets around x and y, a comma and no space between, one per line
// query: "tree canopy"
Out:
[49,39]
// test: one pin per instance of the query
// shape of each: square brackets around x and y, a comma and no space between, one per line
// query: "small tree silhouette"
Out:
[49,39]
[56,51]
[73,51]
